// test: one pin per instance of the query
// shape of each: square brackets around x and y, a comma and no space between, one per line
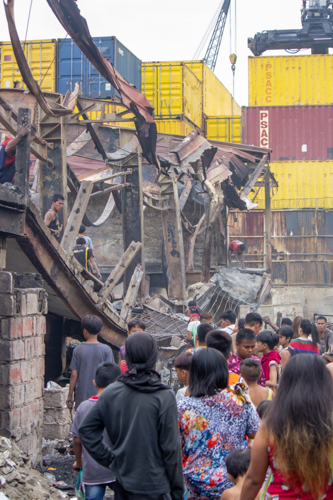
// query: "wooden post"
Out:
[207,245]
[3,252]
[268,220]
[76,216]
[132,293]
[23,152]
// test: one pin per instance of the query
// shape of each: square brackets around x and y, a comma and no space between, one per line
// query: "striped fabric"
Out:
[304,346]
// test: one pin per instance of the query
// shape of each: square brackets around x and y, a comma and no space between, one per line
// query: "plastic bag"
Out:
[79,488]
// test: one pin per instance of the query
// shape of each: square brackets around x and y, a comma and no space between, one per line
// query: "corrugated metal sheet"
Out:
[73,67]
[249,228]
[302,184]
[173,89]
[292,132]
[290,80]
[224,128]
[41,57]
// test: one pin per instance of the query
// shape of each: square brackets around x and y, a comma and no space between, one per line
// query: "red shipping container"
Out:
[292,132]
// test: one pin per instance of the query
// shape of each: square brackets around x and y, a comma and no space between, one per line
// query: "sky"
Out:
[167,30]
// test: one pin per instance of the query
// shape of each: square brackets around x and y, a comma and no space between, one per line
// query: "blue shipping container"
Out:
[73,67]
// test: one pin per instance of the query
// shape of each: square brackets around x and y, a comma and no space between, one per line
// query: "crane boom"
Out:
[216,39]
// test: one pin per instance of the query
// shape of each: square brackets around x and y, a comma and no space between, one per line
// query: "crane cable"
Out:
[26,32]
[208,32]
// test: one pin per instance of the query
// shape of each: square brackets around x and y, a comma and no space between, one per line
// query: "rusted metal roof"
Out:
[161,324]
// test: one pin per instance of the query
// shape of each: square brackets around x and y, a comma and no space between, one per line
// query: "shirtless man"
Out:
[51,217]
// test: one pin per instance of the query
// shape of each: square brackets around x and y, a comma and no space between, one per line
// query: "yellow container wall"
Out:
[217,100]
[110,108]
[290,80]
[175,127]
[224,128]
[173,90]
[42,61]
[302,184]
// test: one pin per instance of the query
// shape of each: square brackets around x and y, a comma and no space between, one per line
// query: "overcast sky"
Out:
[165,30]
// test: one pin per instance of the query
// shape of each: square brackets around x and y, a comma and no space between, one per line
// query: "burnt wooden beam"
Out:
[23,152]
[76,216]
[92,132]
[132,293]
[255,176]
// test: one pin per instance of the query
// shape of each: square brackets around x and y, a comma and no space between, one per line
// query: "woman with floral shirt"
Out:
[213,421]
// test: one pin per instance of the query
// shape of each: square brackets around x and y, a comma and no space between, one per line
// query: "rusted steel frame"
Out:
[191,244]
[92,132]
[22,163]
[185,193]
[254,177]
[132,292]
[12,220]
[24,68]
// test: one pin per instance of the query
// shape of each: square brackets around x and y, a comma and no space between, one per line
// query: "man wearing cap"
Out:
[238,248]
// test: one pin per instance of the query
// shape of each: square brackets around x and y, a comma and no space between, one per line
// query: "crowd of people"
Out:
[252,420]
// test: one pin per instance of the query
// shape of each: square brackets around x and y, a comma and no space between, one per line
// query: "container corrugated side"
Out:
[110,108]
[292,132]
[224,128]
[41,57]
[175,127]
[291,80]
[302,184]
[173,90]
[73,67]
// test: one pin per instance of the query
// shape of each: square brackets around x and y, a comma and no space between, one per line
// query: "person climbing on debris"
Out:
[87,239]
[51,218]
[85,256]
[8,154]
[238,248]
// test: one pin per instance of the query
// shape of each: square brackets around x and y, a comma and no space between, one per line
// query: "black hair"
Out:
[268,337]
[92,324]
[253,319]
[57,197]
[286,331]
[106,374]
[310,329]
[250,369]
[286,322]
[219,340]
[209,373]
[245,333]
[192,303]
[183,361]
[238,462]
[82,229]
[322,317]
[80,241]
[136,322]
[241,323]
[242,247]
[262,408]
[202,331]
[230,315]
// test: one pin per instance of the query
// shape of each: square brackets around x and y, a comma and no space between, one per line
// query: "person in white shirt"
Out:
[228,321]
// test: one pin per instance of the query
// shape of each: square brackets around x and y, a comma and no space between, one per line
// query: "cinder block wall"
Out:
[22,330]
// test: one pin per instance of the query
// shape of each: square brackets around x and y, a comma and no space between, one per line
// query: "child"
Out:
[221,341]
[271,360]
[95,477]
[135,325]
[200,340]
[237,462]
[182,365]
[285,334]
[192,327]
[245,348]
[250,370]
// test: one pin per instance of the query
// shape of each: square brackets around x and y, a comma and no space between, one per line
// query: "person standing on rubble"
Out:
[51,218]
[8,154]
[139,414]
[85,256]
[238,248]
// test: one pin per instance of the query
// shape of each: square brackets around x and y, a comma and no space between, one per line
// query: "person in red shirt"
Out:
[8,154]
[238,248]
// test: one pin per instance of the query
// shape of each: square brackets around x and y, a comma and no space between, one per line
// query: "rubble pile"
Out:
[19,481]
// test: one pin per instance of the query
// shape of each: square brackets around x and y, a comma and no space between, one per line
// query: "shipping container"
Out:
[224,128]
[302,184]
[110,108]
[173,89]
[216,100]
[291,80]
[73,67]
[180,127]
[292,132]
[41,56]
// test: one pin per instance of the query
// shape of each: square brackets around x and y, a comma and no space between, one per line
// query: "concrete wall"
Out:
[22,330]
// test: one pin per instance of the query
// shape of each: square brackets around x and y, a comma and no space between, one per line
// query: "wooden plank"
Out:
[254,177]
[118,271]
[3,252]
[132,293]
[23,152]
[76,216]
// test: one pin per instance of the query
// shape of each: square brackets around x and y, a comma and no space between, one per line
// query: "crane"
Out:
[216,38]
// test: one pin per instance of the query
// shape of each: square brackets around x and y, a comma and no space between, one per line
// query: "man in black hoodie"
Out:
[140,416]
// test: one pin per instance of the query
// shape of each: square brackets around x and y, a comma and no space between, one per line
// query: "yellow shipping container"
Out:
[224,128]
[173,89]
[302,184]
[175,127]
[290,80]
[42,60]
[110,108]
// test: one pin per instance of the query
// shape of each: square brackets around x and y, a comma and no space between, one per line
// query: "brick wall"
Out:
[22,330]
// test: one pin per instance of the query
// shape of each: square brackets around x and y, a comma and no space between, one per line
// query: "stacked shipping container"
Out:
[291,112]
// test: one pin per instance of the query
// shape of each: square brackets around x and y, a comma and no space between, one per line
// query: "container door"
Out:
[70,66]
